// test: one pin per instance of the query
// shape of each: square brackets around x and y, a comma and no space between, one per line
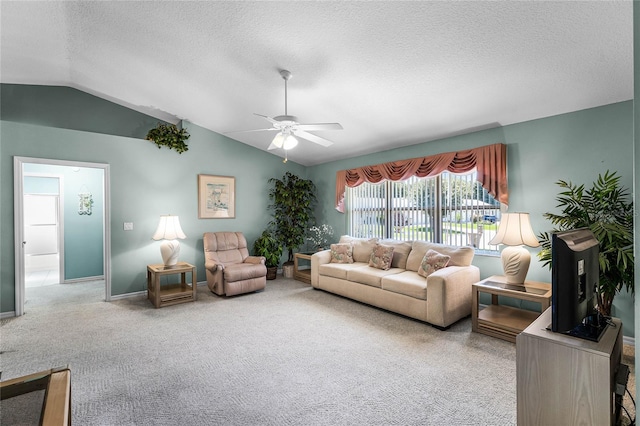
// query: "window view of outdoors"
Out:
[449,208]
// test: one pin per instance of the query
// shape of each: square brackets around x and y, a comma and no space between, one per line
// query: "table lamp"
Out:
[515,231]
[168,230]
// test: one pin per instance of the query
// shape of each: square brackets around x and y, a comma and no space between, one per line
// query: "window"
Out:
[450,208]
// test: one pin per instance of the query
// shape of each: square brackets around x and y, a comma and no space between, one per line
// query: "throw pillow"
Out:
[342,253]
[431,262]
[381,257]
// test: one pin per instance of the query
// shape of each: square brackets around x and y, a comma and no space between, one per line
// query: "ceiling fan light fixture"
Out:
[278,140]
[290,142]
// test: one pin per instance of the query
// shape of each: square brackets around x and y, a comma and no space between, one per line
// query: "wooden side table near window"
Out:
[303,274]
[506,322]
[171,294]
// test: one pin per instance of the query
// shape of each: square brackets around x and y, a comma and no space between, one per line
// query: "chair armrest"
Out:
[213,266]
[317,259]
[255,259]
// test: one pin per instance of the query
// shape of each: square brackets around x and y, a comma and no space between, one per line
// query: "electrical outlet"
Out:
[128,226]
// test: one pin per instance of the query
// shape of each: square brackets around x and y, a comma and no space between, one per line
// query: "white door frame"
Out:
[18,222]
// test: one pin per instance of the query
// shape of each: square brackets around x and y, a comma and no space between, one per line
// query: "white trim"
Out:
[144,292]
[626,340]
[6,315]
[129,295]
[18,209]
[83,279]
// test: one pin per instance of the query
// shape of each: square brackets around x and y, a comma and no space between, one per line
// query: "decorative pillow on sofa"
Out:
[381,257]
[431,262]
[342,253]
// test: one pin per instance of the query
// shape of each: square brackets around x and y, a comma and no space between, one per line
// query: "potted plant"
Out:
[292,201]
[267,245]
[169,135]
[606,209]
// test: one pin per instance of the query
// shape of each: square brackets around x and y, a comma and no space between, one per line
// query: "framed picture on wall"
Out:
[216,197]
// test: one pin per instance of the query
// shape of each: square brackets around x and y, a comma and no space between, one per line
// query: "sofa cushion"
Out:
[244,271]
[381,257]
[408,283]
[342,253]
[362,247]
[460,256]
[371,276]
[431,262]
[401,250]
[339,270]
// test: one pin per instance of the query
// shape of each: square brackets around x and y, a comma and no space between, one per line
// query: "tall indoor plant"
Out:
[606,209]
[292,202]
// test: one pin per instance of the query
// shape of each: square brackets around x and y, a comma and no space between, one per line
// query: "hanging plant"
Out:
[170,136]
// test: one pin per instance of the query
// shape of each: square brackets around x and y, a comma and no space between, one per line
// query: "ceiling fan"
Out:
[288,126]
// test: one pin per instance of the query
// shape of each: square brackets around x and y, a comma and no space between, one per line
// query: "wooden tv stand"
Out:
[565,380]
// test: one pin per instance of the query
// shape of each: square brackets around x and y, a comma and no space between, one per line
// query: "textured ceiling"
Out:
[392,73]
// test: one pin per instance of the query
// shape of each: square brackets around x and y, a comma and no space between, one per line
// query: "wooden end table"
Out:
[303,275]
[506,322]
[171,294]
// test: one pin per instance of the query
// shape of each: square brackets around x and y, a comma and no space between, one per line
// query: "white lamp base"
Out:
[170,250]
[515,262]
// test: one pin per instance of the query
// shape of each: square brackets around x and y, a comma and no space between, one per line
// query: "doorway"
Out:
[40,237]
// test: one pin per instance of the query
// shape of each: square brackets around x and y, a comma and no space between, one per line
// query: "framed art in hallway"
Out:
[216,197]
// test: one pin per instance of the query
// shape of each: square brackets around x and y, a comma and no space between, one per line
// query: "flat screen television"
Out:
[575,272]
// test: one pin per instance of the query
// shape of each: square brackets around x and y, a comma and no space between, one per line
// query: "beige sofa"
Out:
[440,299]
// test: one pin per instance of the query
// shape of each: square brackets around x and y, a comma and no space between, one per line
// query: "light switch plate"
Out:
[128,226]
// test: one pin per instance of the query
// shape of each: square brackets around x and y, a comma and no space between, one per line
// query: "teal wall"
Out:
[146,182]
[576,146]
[83,234]
[40,185]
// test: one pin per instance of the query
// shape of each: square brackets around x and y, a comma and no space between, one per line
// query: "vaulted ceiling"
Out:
[392,73]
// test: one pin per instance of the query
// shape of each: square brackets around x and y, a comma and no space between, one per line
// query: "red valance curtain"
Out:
[490,162]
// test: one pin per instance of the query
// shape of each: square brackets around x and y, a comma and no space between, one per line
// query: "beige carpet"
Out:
[289,355]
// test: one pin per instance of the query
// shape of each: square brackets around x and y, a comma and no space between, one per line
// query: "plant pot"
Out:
[272,271]
[287,270]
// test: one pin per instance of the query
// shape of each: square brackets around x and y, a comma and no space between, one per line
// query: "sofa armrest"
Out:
[317,259]
[255,259]
[449,294]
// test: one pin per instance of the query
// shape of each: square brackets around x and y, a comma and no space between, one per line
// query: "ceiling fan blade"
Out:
[320,126]
[271,120]
[272,147]
[312,138]
[254,130]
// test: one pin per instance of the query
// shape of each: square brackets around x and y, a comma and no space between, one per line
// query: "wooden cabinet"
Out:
[565,380]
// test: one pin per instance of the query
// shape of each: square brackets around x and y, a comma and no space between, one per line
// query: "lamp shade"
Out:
[169,228]
[515,230]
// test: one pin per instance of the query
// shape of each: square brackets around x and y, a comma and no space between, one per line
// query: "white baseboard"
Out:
[626,340]
[144,292]
[5,315]
[84,279]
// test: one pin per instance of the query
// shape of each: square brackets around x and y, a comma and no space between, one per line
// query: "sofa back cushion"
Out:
[362,247]
[460,256]
[401,250]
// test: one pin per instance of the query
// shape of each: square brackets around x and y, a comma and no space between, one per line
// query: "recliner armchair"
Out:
[229,268]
